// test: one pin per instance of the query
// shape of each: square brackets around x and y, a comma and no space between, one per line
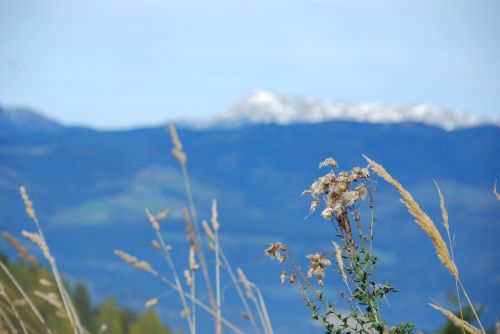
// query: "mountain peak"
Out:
[266,107]
[25,119]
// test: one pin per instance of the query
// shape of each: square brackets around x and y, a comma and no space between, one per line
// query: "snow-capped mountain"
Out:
[267,107]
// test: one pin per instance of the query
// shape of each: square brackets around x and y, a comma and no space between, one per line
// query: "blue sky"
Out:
[122,63]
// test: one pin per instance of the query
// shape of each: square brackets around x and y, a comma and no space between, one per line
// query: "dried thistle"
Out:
[421,218]
[274,250]
[328,162]
[318,264]
[283,277]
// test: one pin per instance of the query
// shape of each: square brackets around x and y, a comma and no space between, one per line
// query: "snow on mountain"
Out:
[267,107]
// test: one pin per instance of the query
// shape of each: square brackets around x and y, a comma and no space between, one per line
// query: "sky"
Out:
[123,63]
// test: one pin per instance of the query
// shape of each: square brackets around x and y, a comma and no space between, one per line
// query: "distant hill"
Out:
[90,189]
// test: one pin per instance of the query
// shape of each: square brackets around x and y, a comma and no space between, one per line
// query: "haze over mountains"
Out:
[90,189]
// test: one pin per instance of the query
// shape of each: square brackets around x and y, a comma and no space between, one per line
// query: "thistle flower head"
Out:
[274,250]
[318,264]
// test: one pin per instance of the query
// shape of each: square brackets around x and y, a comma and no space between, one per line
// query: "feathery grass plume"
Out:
[188,278]
[444,213]
[152,220]
[215,222]
[51,298]
[208,230]
[162,215]
[193,266]
[27,203]
[340,261]
[20,249]
[132,260]
[177,151]
[497,195]
[23,294]
[245,282]
[421,218]
[456,320]
[150,303]
[189,228]
[38,241]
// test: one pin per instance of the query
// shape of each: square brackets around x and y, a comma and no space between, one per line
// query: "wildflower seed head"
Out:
[293,278]
[274,251]
[318,264]
[328,162]
[283,277]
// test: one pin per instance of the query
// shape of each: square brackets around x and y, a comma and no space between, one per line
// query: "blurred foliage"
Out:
[107,317]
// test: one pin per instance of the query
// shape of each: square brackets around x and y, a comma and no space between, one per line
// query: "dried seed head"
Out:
[185,313]
[152,220]
[215,222]
[156,245]
[328,162]
[497,195]
[27,203]
[293,278]
[177,151]
[457,321]
[318,264]
[168,248]
[314,205]
[340,261]
[150,303]
[38,241]
[245,282]
[192,259]
[274,250]
[208,230]
[162,215]
[189,227]
[20,249]
[188,278]
[421,218]
[283,277]
[132,260]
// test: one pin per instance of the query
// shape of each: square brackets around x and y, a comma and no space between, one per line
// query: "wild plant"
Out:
[199,245]
[341,196]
